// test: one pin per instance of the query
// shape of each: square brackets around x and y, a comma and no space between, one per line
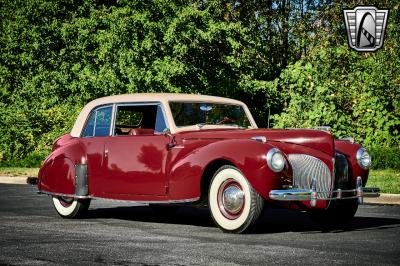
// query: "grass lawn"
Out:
[387,180]
[18,171]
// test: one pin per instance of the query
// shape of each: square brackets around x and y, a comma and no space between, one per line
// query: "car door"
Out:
[136,153]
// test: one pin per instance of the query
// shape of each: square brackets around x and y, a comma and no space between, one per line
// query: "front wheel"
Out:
[235,206]
[69,207]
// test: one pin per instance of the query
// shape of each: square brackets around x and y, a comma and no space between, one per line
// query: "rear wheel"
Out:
[235,206]
[337,214]
[70,207]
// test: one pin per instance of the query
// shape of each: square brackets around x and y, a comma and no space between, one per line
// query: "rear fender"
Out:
[247,155]
[57,174]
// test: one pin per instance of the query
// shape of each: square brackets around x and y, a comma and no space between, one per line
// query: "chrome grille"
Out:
[305,168]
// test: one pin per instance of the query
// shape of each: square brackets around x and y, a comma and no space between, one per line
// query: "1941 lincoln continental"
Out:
[165,149]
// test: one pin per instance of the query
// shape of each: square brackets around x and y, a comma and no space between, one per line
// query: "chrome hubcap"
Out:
[231,199]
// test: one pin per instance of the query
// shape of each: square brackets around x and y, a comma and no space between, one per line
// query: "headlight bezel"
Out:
[361,155]
[271,164]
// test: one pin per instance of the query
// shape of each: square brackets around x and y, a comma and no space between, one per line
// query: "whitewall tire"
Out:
[235,206]
[70,208]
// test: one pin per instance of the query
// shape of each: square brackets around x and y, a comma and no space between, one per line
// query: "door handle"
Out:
[105,153]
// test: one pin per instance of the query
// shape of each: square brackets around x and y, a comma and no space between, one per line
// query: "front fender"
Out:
[247,155]
[350,151]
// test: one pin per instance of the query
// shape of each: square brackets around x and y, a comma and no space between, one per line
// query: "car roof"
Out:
[157,97]
[143,98]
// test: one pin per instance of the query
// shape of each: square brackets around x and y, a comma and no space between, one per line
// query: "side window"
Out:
[139,120]
[160,121]
[99,123]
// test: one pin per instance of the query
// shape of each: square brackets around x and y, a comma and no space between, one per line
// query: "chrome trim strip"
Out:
[132,201]
[113,118]
[261,139]
[63,195]
[349,139]
[154,201]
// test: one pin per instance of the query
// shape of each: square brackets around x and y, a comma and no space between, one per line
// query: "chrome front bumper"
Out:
[312,194]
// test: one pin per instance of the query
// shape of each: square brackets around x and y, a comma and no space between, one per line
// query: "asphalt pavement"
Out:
[120,233]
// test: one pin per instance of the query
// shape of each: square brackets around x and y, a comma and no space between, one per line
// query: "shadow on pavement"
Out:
[273,220]
[183,215]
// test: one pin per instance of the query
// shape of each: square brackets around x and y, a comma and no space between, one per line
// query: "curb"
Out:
[20,180]
[384,199]
[392,199]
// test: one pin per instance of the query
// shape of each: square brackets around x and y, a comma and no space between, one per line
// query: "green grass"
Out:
[387,180]
[18,171]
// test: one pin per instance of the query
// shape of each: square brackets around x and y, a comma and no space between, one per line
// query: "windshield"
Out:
[192,113]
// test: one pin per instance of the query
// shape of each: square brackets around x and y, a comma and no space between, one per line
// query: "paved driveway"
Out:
[122,234]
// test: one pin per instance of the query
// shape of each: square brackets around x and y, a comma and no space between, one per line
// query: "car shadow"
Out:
[272,220]
[276,220]
[183,215]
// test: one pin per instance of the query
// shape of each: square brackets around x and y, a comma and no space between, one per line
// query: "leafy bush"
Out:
[33,159]
[385,158]
[331,89]
[55,56]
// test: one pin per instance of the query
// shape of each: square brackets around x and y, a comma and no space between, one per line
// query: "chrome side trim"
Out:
[323,128]
[132,201]
[261,139]
[154,201]
[63,195]
[349,139]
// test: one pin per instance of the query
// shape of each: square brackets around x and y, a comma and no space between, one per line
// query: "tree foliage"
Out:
[289,57]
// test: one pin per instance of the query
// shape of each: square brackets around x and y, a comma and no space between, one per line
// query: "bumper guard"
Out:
[312,194]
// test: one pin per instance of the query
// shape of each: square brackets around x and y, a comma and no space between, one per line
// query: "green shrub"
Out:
[385,158]
[33,159]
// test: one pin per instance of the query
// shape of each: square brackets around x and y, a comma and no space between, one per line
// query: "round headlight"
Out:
[275,160]
[363,158]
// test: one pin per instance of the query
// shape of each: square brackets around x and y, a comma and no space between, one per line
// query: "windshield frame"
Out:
[211,126]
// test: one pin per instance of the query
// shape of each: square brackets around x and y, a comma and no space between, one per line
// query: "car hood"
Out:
[316,139]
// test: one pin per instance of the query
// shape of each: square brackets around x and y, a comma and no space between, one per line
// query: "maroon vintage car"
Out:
[165,149]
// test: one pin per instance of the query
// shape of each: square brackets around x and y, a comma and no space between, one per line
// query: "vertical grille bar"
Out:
[305,168]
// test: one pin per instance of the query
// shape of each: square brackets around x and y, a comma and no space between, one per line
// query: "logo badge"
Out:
[366,27]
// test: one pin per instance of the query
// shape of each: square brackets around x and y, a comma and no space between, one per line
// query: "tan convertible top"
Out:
[162,98]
